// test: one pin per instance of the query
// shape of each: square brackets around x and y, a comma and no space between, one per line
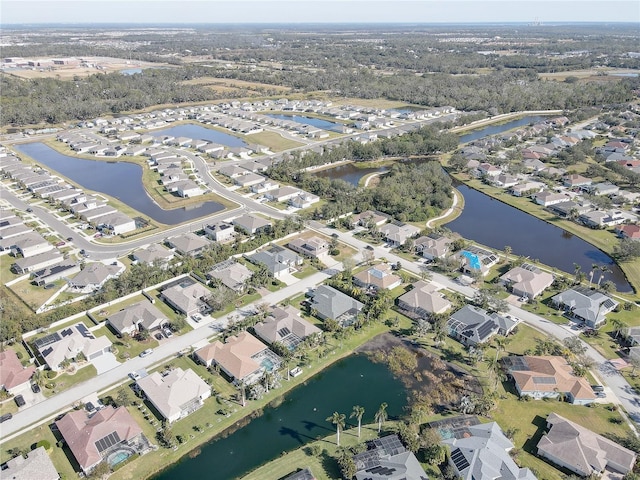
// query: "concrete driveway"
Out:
[105,362]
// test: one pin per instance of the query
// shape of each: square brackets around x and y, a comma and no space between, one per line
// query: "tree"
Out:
[627,250]
[618,326]
[381,415]
[338,419]
[608,286]
[574,345]
[603,269]
[501,343]
[358,412]
[594,267]
[124,398]
[100,471]
[434,452]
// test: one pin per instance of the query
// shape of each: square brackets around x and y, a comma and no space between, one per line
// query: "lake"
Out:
[121,180]
[197,132]
[496,224]
[503,127]
[315,122]
[300,419]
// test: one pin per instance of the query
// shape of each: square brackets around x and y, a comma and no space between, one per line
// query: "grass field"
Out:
[274,141]
[232,84]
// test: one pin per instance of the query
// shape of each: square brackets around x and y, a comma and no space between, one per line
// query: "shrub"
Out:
[43,443]
[51,374]
[19,355]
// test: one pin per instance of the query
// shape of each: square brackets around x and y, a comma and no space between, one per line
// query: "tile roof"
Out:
[12,373]
[234,356]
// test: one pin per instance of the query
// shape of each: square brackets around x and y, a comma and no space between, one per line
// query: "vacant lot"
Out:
[231,84]
[92,66]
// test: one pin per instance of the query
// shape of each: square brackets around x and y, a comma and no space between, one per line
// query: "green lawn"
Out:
[67,380]
[274,141]
[133,348]
[103,313]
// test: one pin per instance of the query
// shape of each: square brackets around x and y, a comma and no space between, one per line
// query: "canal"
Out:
[121,180]
[299,419]
[200,133]
[496,224]
[315,122]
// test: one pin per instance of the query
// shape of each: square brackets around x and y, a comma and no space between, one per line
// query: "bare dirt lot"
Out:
[89,66]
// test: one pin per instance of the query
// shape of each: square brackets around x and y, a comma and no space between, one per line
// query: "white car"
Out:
[196,318]
[134,375]
[147,352]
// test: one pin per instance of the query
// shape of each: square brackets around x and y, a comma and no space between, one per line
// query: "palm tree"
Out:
[594,267]
[501,343]
[495,370]
[357,412]
[338,419]
[381,415]
[603,269]
[618,326]
[576,272]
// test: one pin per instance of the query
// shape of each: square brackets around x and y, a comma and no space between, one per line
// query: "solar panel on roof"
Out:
[518,364]
[608,303]
[284,331]
[544,380]
[486,328]
[107,442]
[459,460]
[47,340]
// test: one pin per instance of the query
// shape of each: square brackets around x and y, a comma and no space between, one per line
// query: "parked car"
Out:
[60,244]
[148,351]
[134,375]
[49,286]
[35,388]
[19,399]
[597,388]
[29,210]
[601,395]
[196,318]
[5,417]
[158,336]
[69,239]
[167,332]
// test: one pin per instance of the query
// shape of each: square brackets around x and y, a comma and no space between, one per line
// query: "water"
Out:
[131,71]
[496,129]
[121,180]
[351,173]
[200,133]
[315,122]
[301,418]
[496,224]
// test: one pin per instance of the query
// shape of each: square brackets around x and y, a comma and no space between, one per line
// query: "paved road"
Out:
[619,387]
[62,401]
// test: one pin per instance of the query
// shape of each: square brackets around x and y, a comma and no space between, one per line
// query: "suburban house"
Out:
[94,276]
[330,303]
[134,318]
[29,244]
[220,232]
[37,466]
[242,358]
[285,325]
[602,218]
[278,260]
[472,325]
[304,474]
[312,247]
[526,189]
[581,451]
[13,376]
[476,260]
[189,244]
[379,277]
[548,377]
[585,305]
[231,274]
[37,262]
[548,198]
[527,280]
[95,438]
[303,200]
[629,231]
[251,224]
[397,233]
[55,272]
[282,194]
[482,453]
[152,254]
[175,394]
[576,180]
[423,300]
[68,343]
[187,297]
[369,217]
[432,246]
[387,458]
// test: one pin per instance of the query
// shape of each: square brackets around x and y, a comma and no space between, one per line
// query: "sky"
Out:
[316,11]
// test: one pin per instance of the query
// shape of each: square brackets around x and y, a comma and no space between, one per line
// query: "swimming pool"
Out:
[117,457]
[267,363]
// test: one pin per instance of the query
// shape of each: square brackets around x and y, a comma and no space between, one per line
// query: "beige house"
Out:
[37,466]
[139,316]
[175,394]
[69,343]
[241,358]
[548,377]
[578,449]
[285,325]
[527,280]
[423,300]
[309,247]
[379,277]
